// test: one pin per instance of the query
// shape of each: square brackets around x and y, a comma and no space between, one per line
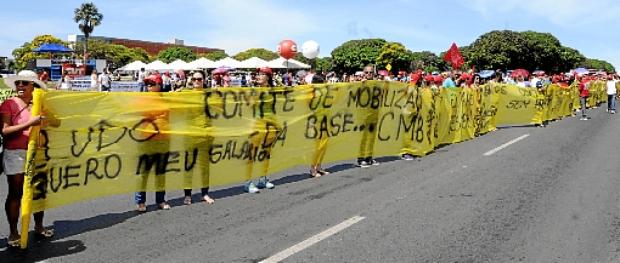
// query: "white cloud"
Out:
[235,25]
[567,13]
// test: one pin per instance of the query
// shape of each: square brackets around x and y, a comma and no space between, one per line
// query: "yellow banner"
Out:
[99,144]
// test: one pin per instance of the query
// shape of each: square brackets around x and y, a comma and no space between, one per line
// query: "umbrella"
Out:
[520,72]
[52,48]
[487,73]
[582,71]
[538,72]
[301,73]
[221,70]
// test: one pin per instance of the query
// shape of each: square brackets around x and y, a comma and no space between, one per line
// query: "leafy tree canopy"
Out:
[24,54]
[354,55]
[177,52]
[214,55]
[256,52]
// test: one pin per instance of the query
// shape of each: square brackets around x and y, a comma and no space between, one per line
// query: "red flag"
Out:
[454,56]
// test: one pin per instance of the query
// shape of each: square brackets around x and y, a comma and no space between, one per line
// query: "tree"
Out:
[395,54]
[543,50]
[569,59]
[24,54]
[115,55]
[498,50]
[529,50]
[323,64]
[214,55]
[591,63]
[256,52]
[354,55]
[177,52]
[88,17]
[427,61]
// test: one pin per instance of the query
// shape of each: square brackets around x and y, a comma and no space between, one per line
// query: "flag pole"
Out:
[26,202]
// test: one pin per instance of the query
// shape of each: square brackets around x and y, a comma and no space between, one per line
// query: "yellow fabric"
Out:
[114,143]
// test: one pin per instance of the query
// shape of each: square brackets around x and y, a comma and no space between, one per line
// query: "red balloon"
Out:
[287,49]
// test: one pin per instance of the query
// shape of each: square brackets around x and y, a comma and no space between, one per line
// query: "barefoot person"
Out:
[16,123]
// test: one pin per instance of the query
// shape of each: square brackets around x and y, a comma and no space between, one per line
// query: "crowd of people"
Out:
[17,120]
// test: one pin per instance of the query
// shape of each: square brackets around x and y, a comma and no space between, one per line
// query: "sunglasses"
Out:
[23,83]
[196,79]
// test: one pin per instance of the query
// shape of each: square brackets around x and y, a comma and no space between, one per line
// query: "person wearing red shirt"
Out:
[16,123]
[584,92]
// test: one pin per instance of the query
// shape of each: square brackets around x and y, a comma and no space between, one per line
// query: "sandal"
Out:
[207,199]
[164,206]
[187,200]
[44,233]
[315,173]
[13,242]
[141,208]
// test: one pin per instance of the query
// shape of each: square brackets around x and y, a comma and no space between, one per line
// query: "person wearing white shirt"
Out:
[611,93]
[94,84]
[104,81]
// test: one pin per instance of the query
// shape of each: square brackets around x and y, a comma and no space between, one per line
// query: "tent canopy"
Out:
[157,65]
[290,64]
[133,66]
[254,62]
[180,64]
[226,62]
[201,63]
[52,48]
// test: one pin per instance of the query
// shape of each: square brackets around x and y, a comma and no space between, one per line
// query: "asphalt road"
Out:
[553,196]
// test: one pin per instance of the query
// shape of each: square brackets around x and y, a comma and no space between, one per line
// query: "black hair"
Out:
[318,78]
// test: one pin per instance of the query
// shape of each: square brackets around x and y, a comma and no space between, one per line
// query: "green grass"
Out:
[2,85]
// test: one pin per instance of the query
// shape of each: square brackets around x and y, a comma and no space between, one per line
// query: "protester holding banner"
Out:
[203,143]
[16,123]
[154,112]
[321,142]
[262,138]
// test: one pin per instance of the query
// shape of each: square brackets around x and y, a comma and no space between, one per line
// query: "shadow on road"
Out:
[41,250]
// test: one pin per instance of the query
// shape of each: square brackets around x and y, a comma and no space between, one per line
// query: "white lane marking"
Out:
[491,152]
[313,240]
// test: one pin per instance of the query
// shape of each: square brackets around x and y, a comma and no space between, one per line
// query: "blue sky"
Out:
[592,26]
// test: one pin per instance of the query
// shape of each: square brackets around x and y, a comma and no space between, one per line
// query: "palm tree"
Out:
[88,17]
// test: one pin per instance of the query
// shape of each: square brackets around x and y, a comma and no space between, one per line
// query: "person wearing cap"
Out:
[158,115]
[201,143]
[16,123]
[262,139]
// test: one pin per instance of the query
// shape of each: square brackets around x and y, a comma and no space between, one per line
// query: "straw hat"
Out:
[27,75]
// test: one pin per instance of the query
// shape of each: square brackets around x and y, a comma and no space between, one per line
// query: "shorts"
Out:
[13,161]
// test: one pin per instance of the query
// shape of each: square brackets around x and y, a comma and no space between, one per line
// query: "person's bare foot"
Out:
[314,173]
[13,240]
[207,199]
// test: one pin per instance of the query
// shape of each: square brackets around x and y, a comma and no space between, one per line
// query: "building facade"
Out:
[152,48]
